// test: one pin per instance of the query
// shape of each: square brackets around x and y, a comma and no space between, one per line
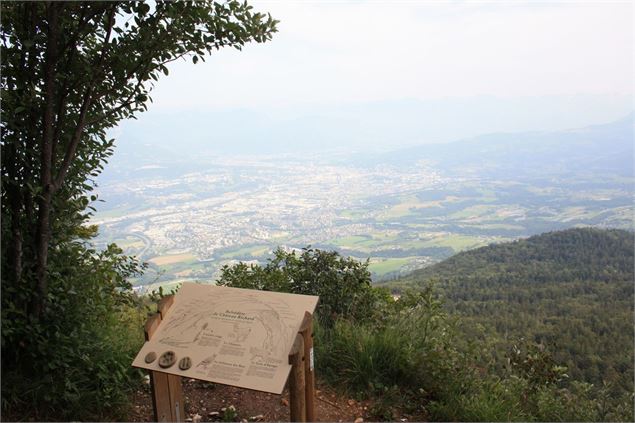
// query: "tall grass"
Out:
[402,359]
[410,361]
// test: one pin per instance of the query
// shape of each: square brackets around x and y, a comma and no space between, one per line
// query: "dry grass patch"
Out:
[172,258]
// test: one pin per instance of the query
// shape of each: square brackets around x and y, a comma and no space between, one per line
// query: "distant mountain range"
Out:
[597,148]
[604,148]
[360,127]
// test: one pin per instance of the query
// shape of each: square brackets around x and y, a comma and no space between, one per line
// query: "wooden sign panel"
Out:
[238,337]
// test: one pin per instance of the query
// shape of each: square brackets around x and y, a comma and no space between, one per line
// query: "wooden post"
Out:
[297,395]
[306,330]
[167,393]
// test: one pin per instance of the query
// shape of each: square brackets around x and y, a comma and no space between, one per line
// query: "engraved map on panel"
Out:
[234,336]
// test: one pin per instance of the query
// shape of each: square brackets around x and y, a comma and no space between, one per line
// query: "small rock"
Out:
[201,402]
[244,421]
[146,379]
[285,402]
[189,419]
[191,380]
[213,414]
[197,418]
[403,420]
[359,420]
[351,402]
[257,418]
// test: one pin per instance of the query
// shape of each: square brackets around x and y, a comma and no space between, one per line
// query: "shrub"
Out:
[486,399]
[343,284]
[75,362]
[532,390]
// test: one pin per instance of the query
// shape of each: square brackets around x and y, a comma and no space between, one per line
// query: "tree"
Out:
[70,71]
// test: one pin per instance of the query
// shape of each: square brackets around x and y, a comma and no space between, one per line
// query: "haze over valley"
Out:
[457,126]
[188,214]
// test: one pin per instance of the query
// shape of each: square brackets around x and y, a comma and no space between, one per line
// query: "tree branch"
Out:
[64,92]
[86,102]
[129,100]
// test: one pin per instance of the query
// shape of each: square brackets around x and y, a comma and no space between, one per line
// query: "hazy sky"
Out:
[371,74]
[348,52]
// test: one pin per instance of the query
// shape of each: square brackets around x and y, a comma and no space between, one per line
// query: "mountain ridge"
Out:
[617,246]
[530,153]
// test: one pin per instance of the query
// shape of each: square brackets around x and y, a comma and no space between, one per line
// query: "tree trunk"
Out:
[46,165]
[15,204]
[30,145]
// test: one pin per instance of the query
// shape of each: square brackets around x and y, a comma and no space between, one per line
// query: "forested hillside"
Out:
[571,291]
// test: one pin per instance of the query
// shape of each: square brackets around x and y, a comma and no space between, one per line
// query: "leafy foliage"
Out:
[80,355]
[533,363]
[70,72]
[343,284]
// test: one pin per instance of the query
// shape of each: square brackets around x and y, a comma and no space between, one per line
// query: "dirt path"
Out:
[208,401]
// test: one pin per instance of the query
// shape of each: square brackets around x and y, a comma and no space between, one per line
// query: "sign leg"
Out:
[309,367]
[176,398]
[167,392]
[297,396]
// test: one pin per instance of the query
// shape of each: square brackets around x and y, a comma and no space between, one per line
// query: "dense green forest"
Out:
[571,291]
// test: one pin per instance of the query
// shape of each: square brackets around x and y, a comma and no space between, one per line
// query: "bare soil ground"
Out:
[208,401]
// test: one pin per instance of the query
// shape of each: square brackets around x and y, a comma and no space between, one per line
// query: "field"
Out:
[383,267]
[254,250]
[399,218]
[172,259]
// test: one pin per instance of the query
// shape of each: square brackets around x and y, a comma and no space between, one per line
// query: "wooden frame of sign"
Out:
[167,392]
